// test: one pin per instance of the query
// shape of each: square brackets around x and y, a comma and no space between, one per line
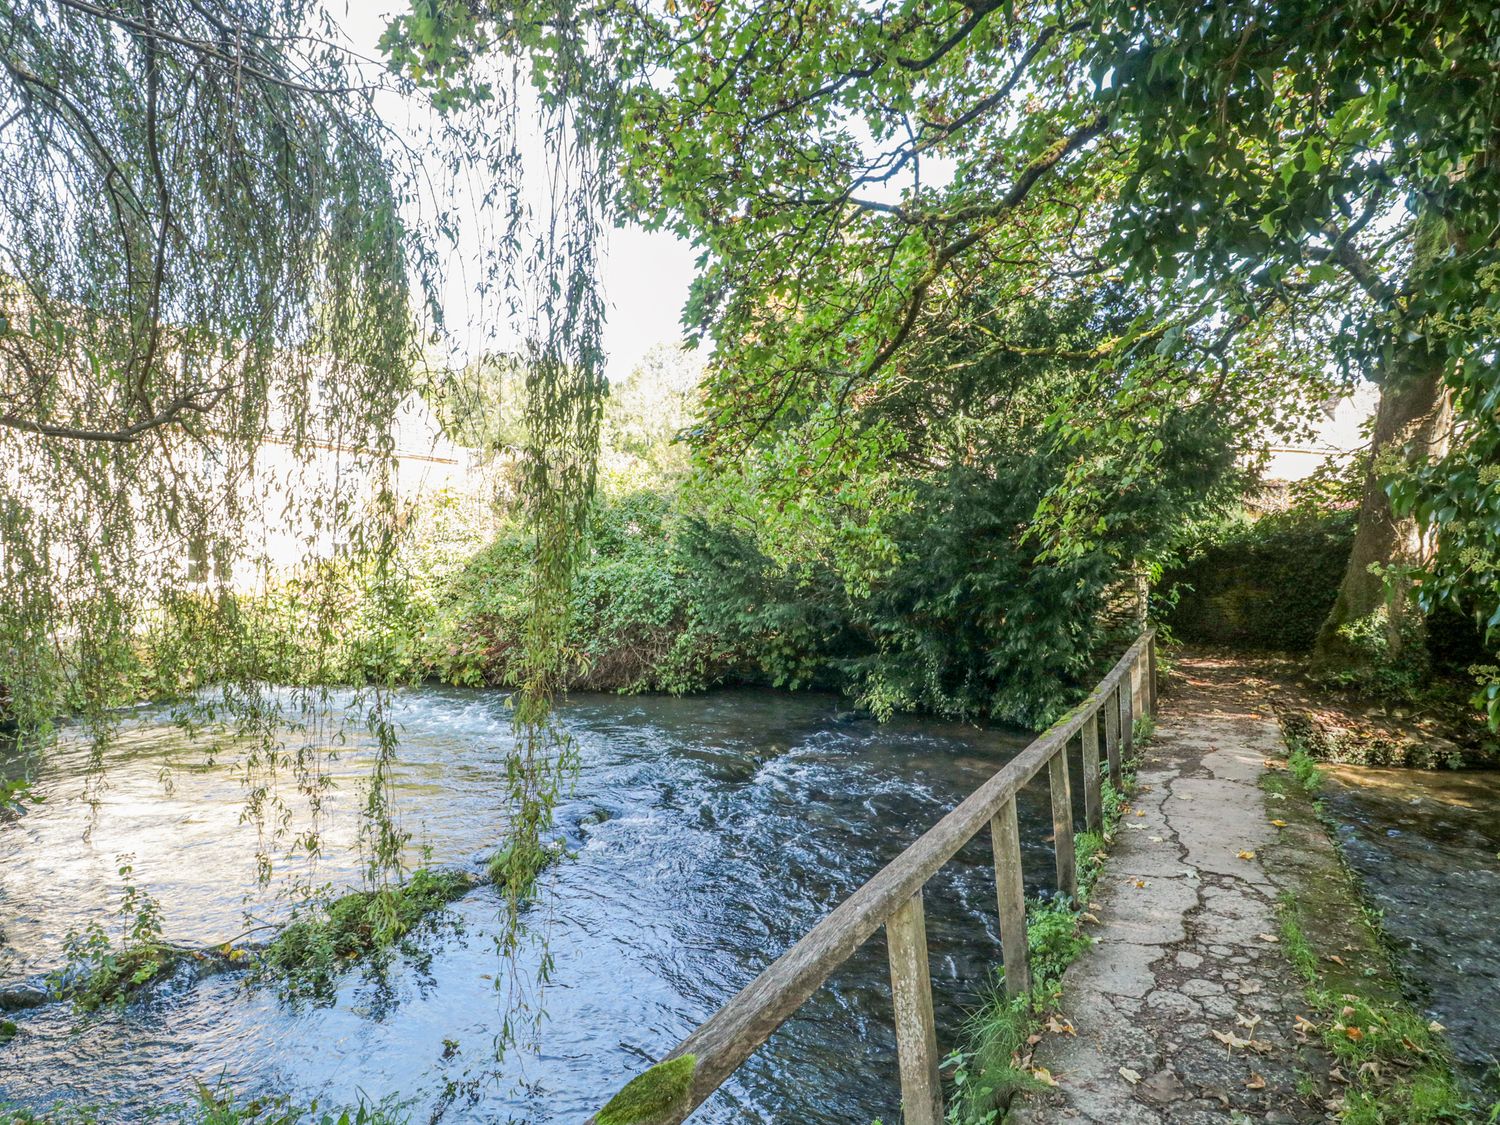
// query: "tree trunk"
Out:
[1372,621]
[1412,422]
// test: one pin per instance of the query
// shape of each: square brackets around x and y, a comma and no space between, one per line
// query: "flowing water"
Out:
[1427,847]
[707,835]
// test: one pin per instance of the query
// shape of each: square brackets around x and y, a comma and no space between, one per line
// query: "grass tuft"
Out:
[309,954]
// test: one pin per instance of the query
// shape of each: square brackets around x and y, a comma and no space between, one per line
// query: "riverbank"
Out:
[1206,995]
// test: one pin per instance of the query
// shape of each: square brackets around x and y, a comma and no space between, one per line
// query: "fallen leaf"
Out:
[1436,1028]
[1129,1075]
[1354,1033]
[1033,1039]
[1255,1082]
[1155,839]
[1260,1046]
[1140,884]
[1371,1068]
[1230,1039]
[1279,823]
[1060,1027]
[1089,916]
[1247,855]
[1246,1021]
[1272,938]
[1277,796]
[1336,959]
[1044,1076]
[1139,812]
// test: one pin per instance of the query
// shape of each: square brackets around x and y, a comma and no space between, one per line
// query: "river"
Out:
[1426,846]
[707,834]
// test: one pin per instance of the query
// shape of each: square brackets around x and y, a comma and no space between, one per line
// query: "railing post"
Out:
[1062,823]
[1005,839]
[1112,738]
[916,1033]
[1151,675]
[1127,713]
[1093,805]
[1137,687]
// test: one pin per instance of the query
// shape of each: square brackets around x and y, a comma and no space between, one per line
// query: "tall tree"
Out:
[852,170]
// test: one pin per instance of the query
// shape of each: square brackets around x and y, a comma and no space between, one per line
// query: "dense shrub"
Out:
[635,621]
[1266,583]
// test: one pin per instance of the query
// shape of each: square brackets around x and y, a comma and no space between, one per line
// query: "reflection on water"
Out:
[1427,846]
[709,834]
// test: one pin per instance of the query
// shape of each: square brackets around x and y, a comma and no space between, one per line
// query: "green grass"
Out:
[310,953]
[1304,767]
[516,867]
[1399,1069]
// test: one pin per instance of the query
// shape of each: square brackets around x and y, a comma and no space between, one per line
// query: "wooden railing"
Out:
[893,899]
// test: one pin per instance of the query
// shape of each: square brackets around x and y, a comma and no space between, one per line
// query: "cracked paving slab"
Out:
[1178,952]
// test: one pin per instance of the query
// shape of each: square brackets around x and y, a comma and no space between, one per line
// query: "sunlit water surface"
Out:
[708,834]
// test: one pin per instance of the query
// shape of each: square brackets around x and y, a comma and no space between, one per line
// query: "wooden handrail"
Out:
[892,898]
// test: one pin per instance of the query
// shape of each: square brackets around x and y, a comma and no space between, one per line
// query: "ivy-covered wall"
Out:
[1264,584]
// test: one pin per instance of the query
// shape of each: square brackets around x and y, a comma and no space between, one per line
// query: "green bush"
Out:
[1264,584]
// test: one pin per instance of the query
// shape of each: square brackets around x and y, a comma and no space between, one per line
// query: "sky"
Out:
[645,276]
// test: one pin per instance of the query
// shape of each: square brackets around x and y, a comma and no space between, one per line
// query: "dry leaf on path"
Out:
[1247,855]
[1272,938]
[1230,1039]
[1129,1075]
[1044,1076]
[1255,1082]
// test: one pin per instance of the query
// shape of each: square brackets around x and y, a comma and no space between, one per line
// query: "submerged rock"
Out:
[18,997]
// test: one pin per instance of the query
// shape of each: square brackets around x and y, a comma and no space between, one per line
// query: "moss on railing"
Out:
[656,1096]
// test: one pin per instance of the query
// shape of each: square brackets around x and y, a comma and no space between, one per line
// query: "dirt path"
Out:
[1185,1007]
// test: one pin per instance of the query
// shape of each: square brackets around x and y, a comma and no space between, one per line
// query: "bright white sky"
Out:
[645,277]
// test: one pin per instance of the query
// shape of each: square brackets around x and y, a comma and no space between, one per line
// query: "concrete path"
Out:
[1185,1008]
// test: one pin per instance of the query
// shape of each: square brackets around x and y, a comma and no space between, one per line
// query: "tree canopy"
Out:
[861,178]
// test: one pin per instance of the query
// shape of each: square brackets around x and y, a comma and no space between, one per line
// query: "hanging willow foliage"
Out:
[202,258]
[208,250]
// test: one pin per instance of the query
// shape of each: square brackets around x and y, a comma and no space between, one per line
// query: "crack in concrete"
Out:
[1180,987]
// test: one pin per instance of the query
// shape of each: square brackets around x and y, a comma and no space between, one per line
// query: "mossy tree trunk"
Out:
[1373,621]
